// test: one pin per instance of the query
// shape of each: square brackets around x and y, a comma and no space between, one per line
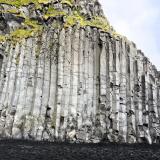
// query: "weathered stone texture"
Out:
[78,84]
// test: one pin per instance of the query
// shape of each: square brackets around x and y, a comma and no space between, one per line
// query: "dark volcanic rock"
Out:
[29,150]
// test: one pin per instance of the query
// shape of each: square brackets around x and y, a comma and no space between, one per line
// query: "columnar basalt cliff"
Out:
[65,74]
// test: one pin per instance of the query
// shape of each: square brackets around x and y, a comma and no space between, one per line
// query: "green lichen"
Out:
[68,2]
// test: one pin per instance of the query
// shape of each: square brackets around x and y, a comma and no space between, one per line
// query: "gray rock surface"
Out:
[76,83]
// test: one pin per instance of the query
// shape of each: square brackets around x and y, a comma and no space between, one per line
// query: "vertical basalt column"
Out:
[108,106]
[132,77]
[60,72]
[96,80]
[72,121]
[146,105]
[1,62]
[86,92]
[146,112]
[114,89]
[111,101]
[150,107]
[104,85]
[129,111]
[103,82]
[80,103]
[158,96]
[3,49]
[96,90]
[89,123]
[5,85]
[86,73]
[75,61]
[50,114]
[138,89]
[155,100]
[66,82]
[90,86]
[153,112]
[122,92]
[117,85]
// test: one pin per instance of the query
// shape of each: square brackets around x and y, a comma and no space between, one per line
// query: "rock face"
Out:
[66,75]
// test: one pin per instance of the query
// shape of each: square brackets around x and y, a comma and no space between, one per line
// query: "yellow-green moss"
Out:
[100,22]
[32,27]
[43,1]
[76,17]
[51,12]
[32,24]
[68,2]
[13,11]
[20,34]
[2,38]
[19,3]
[116,35]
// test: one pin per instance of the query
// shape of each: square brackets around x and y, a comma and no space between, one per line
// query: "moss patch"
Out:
[68,2]
[100,22]
[19,34]
[2,38]
[30,27]
[76,17]
[51,12]
[19,3]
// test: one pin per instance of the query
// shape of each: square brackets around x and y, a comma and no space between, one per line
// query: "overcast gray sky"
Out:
[139,20]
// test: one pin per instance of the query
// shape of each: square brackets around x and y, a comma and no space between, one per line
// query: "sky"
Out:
[139,21]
